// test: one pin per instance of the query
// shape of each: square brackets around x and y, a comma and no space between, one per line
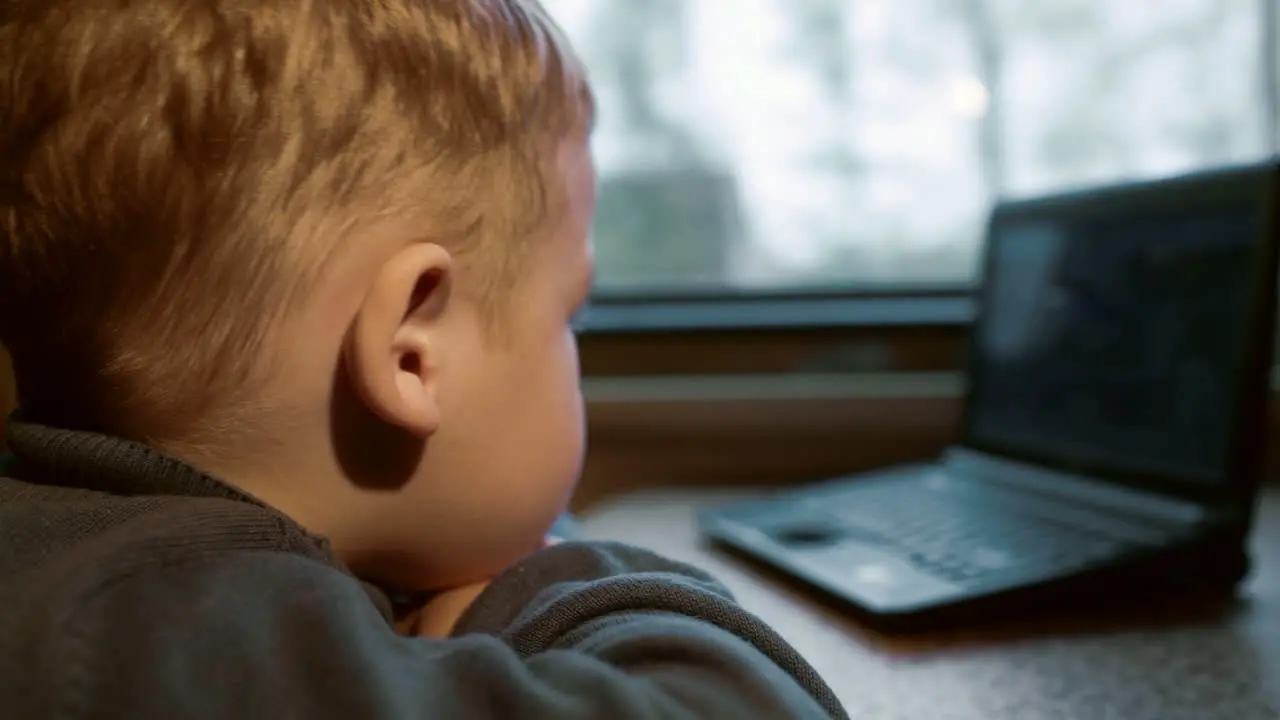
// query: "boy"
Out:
[327,252]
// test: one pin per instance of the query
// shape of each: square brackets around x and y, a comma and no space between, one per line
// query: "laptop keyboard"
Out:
[963,539]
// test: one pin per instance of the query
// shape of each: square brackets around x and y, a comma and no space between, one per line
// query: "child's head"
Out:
[327,249]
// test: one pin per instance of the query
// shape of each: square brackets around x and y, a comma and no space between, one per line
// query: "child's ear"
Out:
[391,346]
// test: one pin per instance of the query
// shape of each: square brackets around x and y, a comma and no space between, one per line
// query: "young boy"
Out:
[288,289]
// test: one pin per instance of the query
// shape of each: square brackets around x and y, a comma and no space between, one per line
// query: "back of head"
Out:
[175,173]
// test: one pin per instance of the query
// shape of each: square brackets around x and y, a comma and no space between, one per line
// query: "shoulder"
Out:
[64,551]
[223,588]
[106,586]
[191,631]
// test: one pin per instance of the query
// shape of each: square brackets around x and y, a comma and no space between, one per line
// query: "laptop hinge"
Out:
[1079,488]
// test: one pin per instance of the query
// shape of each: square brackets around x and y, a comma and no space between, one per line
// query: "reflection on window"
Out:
[805,143]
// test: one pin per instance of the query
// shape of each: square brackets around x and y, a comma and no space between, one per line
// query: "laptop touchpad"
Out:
[807,535]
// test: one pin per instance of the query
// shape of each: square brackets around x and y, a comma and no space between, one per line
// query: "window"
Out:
[858,144]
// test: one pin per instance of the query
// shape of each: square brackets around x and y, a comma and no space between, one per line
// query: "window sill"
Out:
[776,312]
[759,429]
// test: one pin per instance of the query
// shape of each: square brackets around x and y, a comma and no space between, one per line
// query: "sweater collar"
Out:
[90,461]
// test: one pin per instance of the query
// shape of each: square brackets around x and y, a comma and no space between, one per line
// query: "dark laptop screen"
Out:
[1116,343]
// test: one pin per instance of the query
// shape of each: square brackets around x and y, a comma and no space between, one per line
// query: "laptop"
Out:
[1113,421]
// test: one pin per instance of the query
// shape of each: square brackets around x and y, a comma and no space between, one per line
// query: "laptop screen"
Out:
[1115,343]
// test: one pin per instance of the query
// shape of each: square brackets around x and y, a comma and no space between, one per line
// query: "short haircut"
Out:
[169,167]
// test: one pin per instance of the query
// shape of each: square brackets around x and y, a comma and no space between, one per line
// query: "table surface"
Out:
[1174,663]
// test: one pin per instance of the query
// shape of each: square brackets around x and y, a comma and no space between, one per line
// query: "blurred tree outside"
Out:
[882,249]
[669,218]
[1144,92]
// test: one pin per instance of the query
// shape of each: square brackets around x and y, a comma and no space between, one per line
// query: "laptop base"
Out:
[1211,569]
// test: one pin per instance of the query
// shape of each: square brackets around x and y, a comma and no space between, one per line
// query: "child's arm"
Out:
[580,630]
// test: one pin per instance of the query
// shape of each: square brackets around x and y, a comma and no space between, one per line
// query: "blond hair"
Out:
[168,167]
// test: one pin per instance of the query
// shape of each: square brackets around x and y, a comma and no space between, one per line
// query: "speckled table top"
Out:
[1175,664]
